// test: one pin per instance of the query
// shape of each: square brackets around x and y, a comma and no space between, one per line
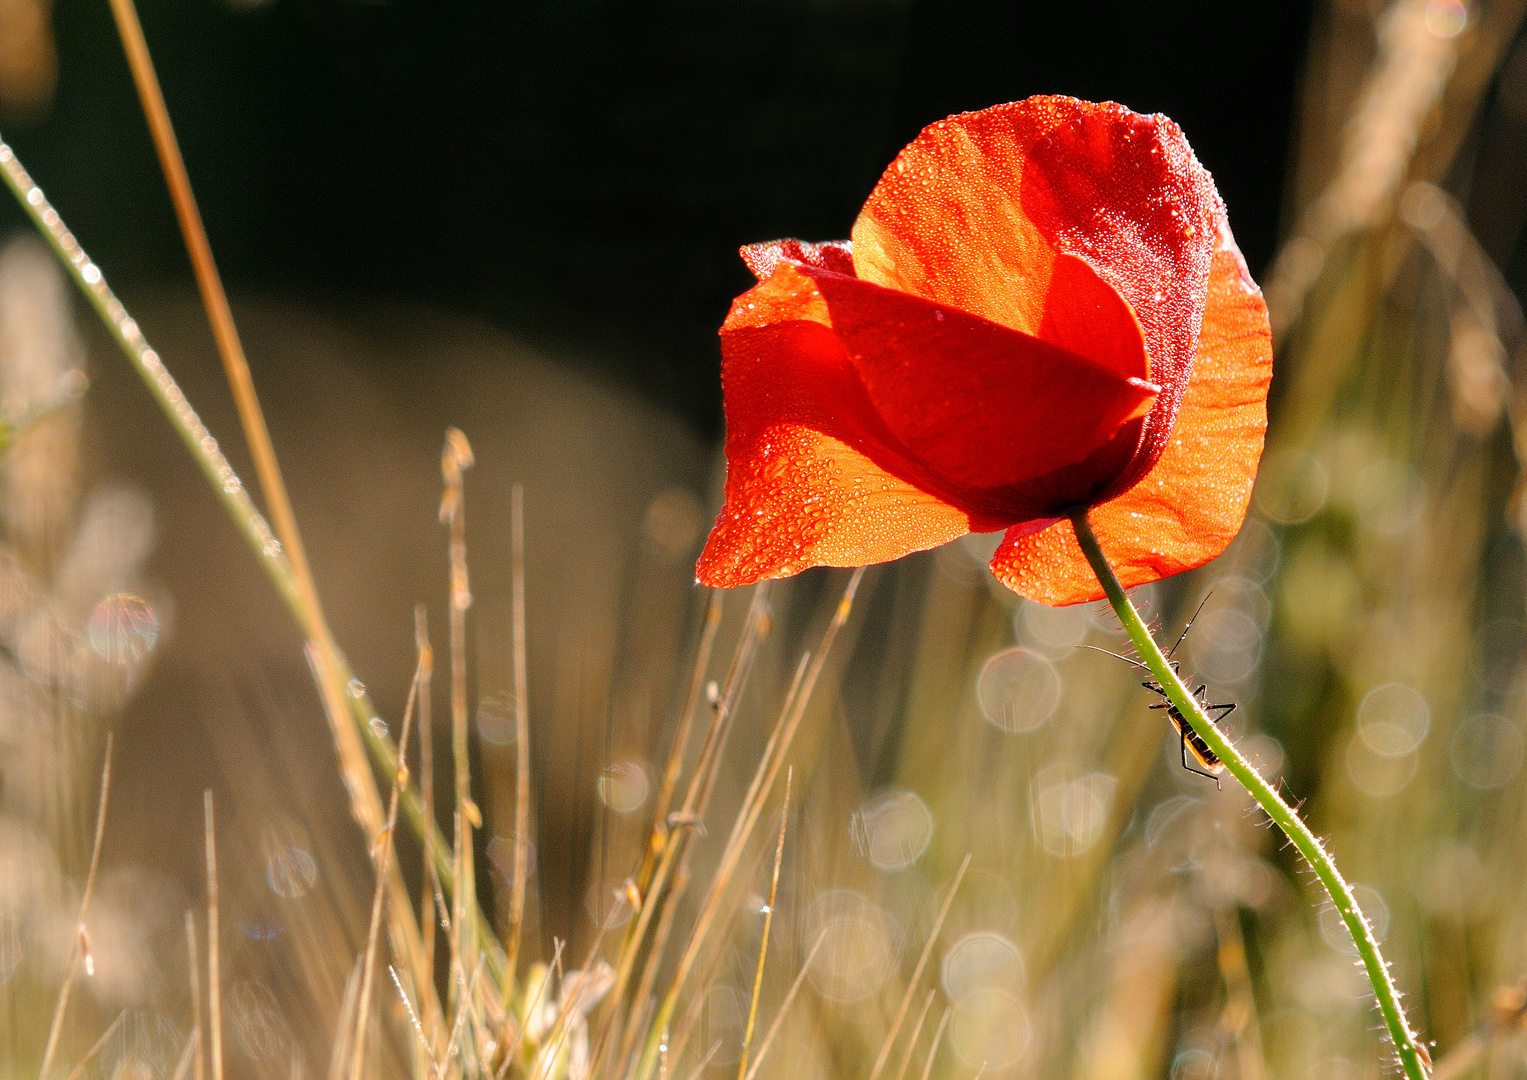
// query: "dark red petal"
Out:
[982,406]
[834,255]
[807,478]
[1191,505]
[978,211]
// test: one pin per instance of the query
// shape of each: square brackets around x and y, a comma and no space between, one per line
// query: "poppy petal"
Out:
[980,405]
[805,482]
[977,211]
[834,255]
[1191,505]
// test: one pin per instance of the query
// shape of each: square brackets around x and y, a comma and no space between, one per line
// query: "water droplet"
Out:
[378,727]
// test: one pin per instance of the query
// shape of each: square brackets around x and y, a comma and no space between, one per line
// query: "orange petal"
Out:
[1190,506]
[978,211]
[807,484]
[764,259]
[981,405]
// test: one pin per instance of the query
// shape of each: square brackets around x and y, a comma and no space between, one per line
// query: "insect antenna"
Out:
[1115,655]
[1191,621]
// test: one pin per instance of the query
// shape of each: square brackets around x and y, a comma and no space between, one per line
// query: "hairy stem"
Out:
[1413,1058]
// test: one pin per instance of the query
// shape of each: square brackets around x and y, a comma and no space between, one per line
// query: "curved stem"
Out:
[1413,1057]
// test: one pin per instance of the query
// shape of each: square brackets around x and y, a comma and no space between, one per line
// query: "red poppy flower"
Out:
[1041,308]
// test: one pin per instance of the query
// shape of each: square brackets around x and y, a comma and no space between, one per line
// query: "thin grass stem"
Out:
[654,964]
[784,1006]
[183,1066]
[359,781]
[268,550]
[79,1070]
[676,840]
[917,1030]
[938,1038]
[763,944]
[431,888]
[1413,1057]
[455,459]
[193,963]
[81,938]
[917,972]
[383,859]
[521,740]
[214,970]
[768,769]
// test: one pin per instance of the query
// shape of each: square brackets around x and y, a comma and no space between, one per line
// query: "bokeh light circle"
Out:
[1486,751]
[122,629]
[1393,719]
[989,1030]
[892,829]
[981,960]
[1018,690]
[858,947]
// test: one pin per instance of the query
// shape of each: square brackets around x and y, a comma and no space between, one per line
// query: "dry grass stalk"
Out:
[81,943]
[784,1006]
[95,1048]
[917,1030]
[383,864]
[359,780]
[214,961]
[521,740]
[917,972]
[190,1053]
[455,459]
[938,1039]
[686,819]
[763,944]
[431,1019]
[193,964]
[768,769]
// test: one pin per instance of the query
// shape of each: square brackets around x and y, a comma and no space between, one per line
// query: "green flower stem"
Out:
[1413,1058]
[228,488]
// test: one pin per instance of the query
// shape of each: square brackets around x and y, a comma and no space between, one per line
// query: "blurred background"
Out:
[521,219]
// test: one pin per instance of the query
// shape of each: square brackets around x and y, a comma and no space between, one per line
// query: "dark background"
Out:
[584,171]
